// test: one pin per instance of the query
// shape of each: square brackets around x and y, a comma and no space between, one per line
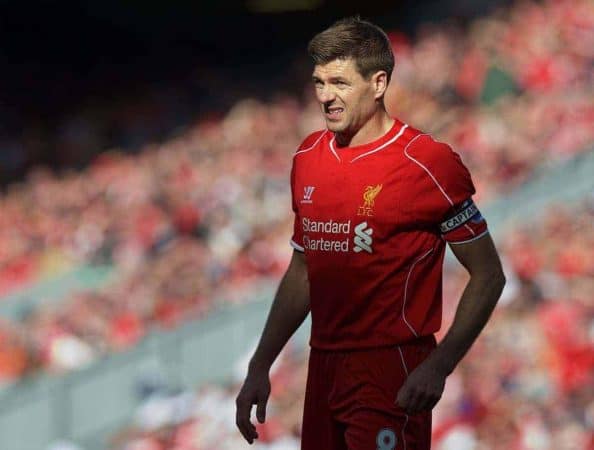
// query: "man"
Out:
[375,201]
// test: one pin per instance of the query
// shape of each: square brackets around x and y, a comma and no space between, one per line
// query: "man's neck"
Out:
[378,125]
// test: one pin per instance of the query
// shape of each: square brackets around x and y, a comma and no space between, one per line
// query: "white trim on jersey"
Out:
[403,435]
[469,229]
[436,182]
[406,290]
[296,246]
[312,146]
[425,168]
[403,363]
[332,148]
[470,240]
[406,415]
[394,139]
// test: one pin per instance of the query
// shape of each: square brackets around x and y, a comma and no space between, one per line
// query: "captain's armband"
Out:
[464,224]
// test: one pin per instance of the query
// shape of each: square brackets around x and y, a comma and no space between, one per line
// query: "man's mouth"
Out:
[334,112]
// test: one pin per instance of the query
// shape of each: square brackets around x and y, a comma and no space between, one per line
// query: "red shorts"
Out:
[350,400]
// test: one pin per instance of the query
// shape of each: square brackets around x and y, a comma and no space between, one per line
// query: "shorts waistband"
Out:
[417,341]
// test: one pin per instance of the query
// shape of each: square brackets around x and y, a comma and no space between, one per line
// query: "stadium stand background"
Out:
[67,67]
[80,370]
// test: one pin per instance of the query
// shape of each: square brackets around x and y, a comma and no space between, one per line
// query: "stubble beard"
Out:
[337,127]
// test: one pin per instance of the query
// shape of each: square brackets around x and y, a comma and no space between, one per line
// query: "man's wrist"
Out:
[442,364]
[259,366]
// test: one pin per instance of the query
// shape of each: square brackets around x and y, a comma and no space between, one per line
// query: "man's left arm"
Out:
[424,386]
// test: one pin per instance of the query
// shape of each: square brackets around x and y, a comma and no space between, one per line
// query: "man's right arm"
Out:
[288,311]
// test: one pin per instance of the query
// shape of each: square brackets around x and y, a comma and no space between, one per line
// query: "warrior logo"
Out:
[307,192]
[369,200]
[363,238]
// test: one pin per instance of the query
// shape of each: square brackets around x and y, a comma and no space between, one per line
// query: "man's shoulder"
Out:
[422,147]
[436,164]
[311,141]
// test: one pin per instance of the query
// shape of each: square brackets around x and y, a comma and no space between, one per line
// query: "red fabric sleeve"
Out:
[297,238]
[308,143]
[444,189]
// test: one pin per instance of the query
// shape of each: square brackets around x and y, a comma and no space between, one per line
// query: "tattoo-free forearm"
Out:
[476,305]
[287,313]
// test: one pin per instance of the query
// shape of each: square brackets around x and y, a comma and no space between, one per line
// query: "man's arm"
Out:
[288,311]
[424,386]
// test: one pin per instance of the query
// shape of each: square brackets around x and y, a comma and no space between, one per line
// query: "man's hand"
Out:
[422,389]
[289,309]
[255,391]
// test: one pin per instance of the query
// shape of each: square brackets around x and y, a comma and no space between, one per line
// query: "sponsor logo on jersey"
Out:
[329,226]
[307,193]
[326,245]
[326,227]
[336,236]
[369,200]
[363,239]
[469,212]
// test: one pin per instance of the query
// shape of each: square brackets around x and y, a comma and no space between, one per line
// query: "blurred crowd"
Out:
[211,204]
[196,220]
[527,383]
[183,224]
[513,92]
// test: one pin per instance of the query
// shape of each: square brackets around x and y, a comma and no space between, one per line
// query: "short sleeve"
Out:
[297,238]
[308,144]
[444,190]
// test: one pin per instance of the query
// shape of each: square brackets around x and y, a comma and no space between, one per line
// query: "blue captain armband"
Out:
[468,212]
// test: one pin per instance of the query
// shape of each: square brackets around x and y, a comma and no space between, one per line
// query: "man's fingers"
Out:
[414,400]
[410,399]
[242,420]
[261,410]
[400,397]
[421,391]
[431,401]
[418,401]
[403,397]
[248,430]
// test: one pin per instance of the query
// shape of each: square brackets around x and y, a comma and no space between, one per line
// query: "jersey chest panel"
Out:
[354,209]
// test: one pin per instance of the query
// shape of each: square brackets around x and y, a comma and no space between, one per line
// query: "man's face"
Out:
[347,99]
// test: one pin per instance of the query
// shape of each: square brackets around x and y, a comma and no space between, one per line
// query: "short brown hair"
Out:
[364,42]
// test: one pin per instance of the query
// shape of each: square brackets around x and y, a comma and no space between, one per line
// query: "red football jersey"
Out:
[373,221]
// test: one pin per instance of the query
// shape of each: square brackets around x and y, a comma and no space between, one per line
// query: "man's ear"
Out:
[380,83]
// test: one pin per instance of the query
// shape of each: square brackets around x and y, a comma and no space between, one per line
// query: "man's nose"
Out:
[326,94]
